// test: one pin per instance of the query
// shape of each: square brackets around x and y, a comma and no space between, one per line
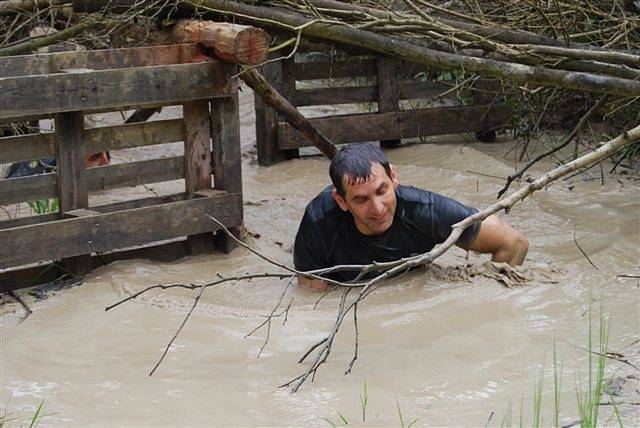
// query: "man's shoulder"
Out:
[414,196]
[323,207]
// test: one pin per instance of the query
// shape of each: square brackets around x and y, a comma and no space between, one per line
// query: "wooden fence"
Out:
[394,81]
[65,86]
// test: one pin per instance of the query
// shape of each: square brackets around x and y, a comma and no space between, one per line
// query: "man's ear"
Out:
[339,200]
[394,177]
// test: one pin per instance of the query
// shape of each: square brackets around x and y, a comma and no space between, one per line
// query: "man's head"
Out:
[364,184]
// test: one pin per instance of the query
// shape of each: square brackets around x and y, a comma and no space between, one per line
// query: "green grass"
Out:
[588,396]
[6,418]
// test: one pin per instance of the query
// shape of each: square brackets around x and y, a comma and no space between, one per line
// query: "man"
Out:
[368,216]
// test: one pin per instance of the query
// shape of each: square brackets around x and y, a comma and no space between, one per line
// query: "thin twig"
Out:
[583,253]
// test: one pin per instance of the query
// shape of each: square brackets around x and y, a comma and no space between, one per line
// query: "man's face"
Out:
[372,203]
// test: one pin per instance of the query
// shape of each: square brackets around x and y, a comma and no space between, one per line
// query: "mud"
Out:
[451,346]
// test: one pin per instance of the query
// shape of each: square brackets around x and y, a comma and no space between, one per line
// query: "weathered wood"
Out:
[388,90]
[197,146]
[26,147]
[406,124]
[335,70]
[133,135]
[71,162]
[106,232]
[18,278]
[135,173]
[15,190]
[239,44]
[37,146]
[124,88]
[353,67]
[270,96]
[24,65]
[288,92]
[227,163]
[267,119]
[197,162]
[104,208]
[22,189]
[225,125]
[366,94]
[72,183]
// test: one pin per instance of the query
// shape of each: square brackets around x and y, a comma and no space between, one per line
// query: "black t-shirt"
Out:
[328,236]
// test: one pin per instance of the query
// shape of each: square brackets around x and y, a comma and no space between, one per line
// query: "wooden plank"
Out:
[355,67]
[38,146]
[133,135]
[23,65]
[365,94]
[388,89]
[71,162]
[135,173]
[105,208]
[335,70]
[197,146]
[336,95]
[405,124]
[26,147]
[124,88]
[267,120]
[27,277]
[72,183]
[110,231]
[197,162]
[21,189]
[25,221]
[15,190]
[227,162]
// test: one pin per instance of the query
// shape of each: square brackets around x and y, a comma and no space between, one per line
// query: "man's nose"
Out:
[377,206]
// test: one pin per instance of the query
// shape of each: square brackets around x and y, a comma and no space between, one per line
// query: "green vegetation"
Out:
[6,418]
[588,397]
[45,206]
[364,400]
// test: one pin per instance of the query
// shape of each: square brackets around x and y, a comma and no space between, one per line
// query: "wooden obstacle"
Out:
[65,86]
[395,80]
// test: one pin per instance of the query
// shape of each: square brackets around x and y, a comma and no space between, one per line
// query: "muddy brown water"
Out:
[447,352]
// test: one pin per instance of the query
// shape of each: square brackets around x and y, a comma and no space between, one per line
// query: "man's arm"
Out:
[501,240]
[313,284]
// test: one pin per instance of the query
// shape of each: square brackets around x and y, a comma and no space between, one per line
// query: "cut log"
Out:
[239,44]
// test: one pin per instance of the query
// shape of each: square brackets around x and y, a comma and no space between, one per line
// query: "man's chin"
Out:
[379,228]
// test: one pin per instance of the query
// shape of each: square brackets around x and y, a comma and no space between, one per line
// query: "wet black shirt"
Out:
[328,236]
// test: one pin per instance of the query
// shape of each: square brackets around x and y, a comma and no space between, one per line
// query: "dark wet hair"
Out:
[354,161]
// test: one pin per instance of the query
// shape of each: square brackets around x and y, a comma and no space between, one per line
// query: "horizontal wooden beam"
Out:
[24,65]
[394,125]
[134,135]
[23,189]
[124,88]
[364,94]
[356,67]
[104,208]
[18,278]
[110,231]
[38,146]
[27,147]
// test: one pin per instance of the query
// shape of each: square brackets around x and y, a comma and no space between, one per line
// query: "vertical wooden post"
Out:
[485,95]
[72,184]
[197,158]
[389,70]
[282,77]
[227,170]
